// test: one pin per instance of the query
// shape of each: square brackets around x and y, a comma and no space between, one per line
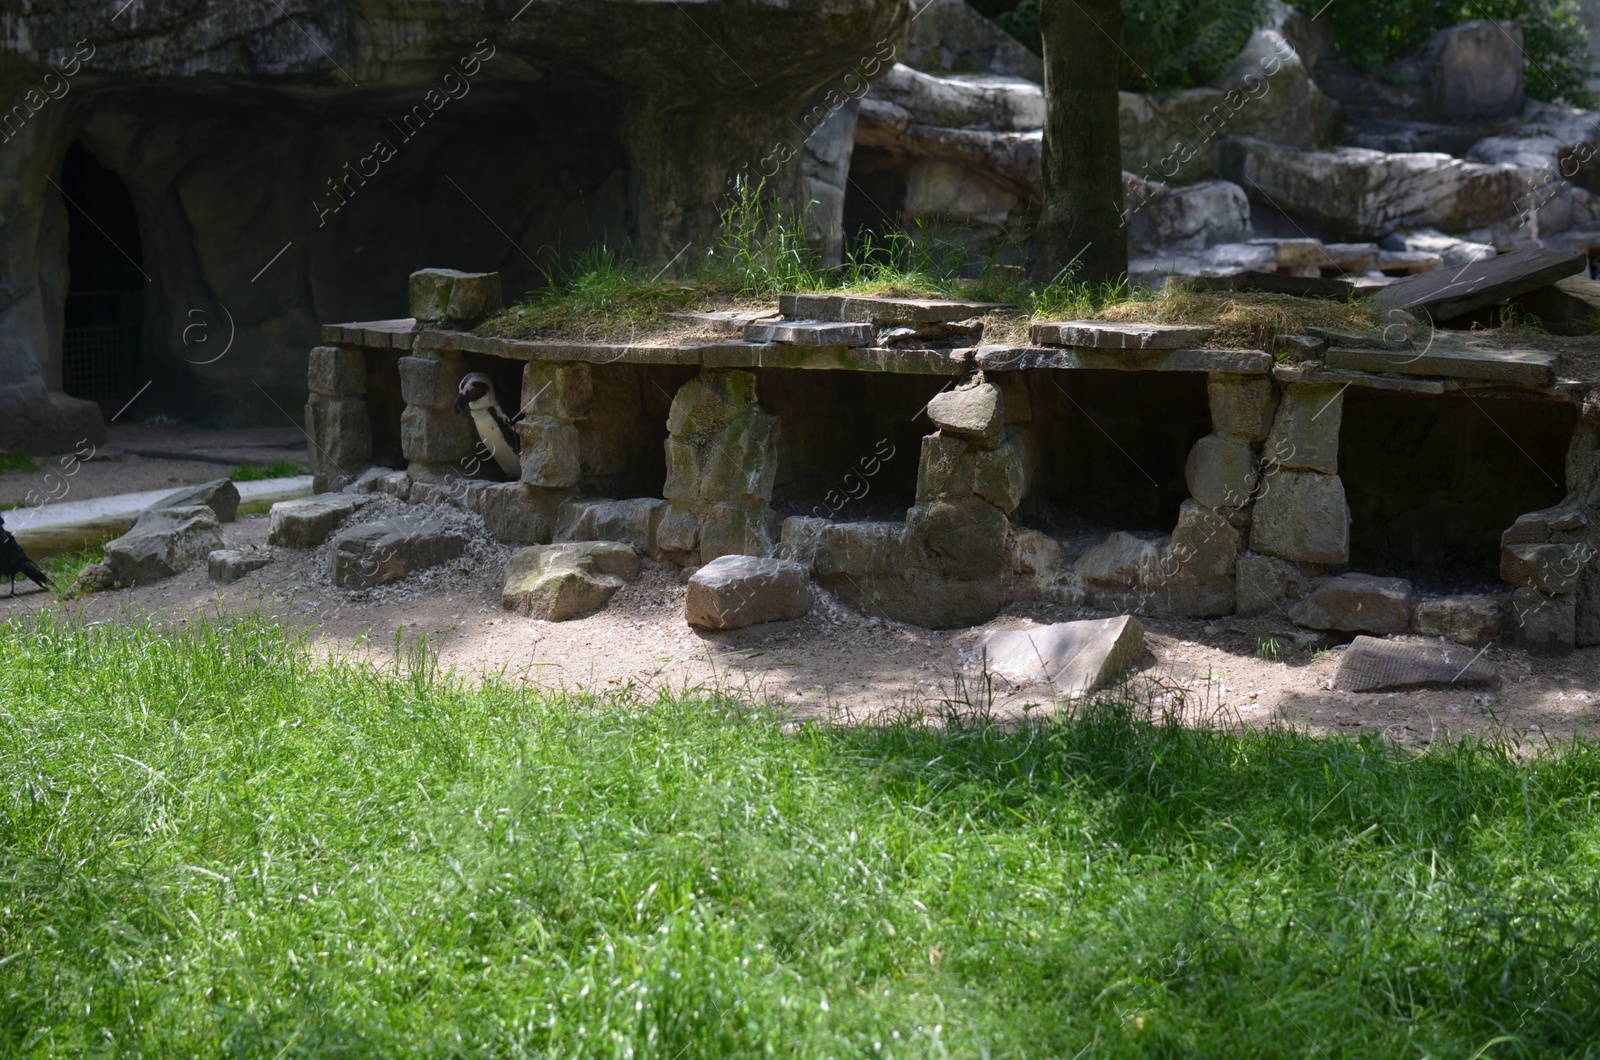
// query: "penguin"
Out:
[495,428]
[14,561]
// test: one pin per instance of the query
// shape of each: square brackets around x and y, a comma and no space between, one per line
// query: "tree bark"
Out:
[1081,230]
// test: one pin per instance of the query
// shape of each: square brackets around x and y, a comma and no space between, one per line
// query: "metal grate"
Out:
[100,347]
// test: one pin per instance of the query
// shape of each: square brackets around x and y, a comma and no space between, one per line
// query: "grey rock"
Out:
[1542,624]
[947,467]
[1204,543]
[562,390]
[1453,251]
[881,311]
[307,523]
[1163,217]
[220,495]
[1302,516]
[432,379]
[799,539]
[560,582]
[809,333]
[1103,335]
[1073,657]
[632,522]
[1471,619]
[1043,569]
[1553,569]
[1357,603]
[1446,294]
[1000,475]
[227,565]
[439,295]
[951,36]
[1266,585]
[95,578]
[1221,472]
[859,549]
[339,432]
[431,436]
[163,542]
[734,528]
[1473,70]
[551,452]
[960,539]
[515,512]
[976,411]
[732,592]
[337,372]
[1372,665]
[389,549]
[1305,432]
[1242,406]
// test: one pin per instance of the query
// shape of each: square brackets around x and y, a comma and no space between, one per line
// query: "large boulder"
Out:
[1473,71]
[1183,216]
[732,592]
[164,542]
[389,549]
[560,582]
[220,495]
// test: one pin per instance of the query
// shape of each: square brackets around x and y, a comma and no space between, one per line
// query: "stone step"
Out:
[1373,665]
[881,311]
[1447,293]
[724,321]
[1022,358]
[809,333]
[1106,335]
[1519,367]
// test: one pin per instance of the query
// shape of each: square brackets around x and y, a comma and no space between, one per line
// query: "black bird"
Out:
[497,430]
[14,561]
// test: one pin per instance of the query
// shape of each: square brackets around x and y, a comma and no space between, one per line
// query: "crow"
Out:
[14,561]
[498,431]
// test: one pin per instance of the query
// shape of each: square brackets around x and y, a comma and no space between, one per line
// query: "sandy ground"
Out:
[834,662]
[149,456]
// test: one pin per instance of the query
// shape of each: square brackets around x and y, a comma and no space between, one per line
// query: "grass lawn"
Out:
[213,845]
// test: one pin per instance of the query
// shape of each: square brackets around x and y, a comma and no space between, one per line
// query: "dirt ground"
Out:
[834,662]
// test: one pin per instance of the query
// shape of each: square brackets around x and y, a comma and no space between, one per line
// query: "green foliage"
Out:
[1373,32]
[1184,44]
[759,251]
[262,472]
[10,462]
[211,843]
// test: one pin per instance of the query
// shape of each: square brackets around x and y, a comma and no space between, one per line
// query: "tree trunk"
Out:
[1082,227]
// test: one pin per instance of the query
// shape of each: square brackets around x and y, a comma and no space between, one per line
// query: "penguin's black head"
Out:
[474,385]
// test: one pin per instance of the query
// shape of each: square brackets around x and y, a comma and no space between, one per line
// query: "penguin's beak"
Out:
[461,404]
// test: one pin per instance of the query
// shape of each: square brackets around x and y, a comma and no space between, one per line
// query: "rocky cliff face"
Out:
[290,162]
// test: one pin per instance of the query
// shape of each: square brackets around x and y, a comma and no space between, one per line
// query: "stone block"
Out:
[550,452]
[1473,70]
[809,332]
[1302,516]
[1305,431]
[1073,657]
[1543,625]
[1221,471]
[441,295]
[335,372]
[1204,543]
[569,580]
[562,390]
[306,523]
[1105,335]
[1000,475]
[389,549]
[1043,569]
[975,411]
[703,404]
[946,467]
[220,495]
[1583,464]
[1472,619]
[1122,561]
[515,512]
[733,529]
[632,522]
[1266,585]
[1552,569]
[1357,603]
[1373,665]
[227,565]
[1242,406]
[339,431]
[432,380]
[961,539]
[799,539]
[678,534]
[732,592]
[859,549]
[436,436]
[741,462]
[163,542]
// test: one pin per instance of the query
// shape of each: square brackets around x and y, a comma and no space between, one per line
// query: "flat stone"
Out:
[1357,603]
[229,565]
[977,411]
[306,523]
[732,592]
[163,542]
[730,321]
[1020,358]
[1373,665]
[1451,293]
[881,312]
[1408,262]
[1302,516]
[560,582]
[1299,286]
[1073,657]
[220,495]
[1305,433]
[809,332]
[799,537]
[1521,367]
[1102,335]
[389,549]
[1470,618]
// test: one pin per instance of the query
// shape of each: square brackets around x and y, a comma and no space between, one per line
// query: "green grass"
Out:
[10,462]
[213,845]
[63,570]
[261,472]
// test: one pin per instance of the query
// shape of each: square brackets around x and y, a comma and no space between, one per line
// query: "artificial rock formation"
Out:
[721,466]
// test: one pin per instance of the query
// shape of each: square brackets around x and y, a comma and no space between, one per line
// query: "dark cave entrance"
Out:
[1111,448]
[1433,481]
[104,312]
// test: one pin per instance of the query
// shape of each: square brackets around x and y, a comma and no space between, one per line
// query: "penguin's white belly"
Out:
[495,442]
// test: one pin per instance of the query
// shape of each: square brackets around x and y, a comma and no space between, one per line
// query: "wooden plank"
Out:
[1371,664]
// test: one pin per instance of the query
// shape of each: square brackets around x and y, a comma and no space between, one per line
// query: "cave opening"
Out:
[623,440]
[1110,447]
[104,311]
[849,442]
[1433,481]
